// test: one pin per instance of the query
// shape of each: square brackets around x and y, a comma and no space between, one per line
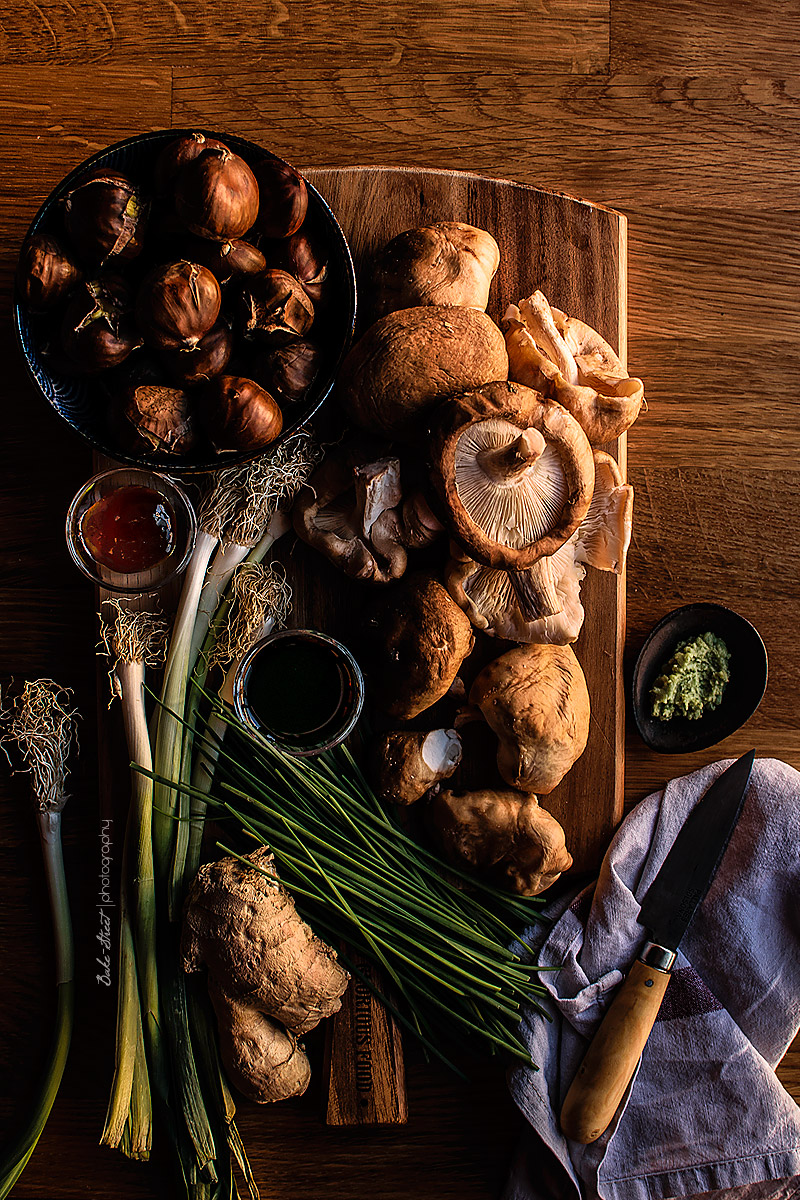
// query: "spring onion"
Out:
[43,726]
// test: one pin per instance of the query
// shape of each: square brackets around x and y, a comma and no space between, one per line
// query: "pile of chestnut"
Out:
[196,299]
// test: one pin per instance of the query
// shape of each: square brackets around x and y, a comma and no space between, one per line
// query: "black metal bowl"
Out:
[742,694]
[82,401]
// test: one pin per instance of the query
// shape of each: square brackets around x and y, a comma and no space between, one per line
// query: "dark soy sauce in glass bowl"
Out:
[300,689]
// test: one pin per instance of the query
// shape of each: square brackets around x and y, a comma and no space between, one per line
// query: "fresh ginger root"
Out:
[271,978]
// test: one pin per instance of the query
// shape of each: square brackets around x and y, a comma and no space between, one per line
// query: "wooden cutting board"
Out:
[575,252]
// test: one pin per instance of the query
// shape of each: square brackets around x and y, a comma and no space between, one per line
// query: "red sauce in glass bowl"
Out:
[131,529]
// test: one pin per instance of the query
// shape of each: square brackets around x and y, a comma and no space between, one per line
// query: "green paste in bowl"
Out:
[692,682]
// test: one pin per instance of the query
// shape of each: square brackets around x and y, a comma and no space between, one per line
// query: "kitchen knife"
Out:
[666,912]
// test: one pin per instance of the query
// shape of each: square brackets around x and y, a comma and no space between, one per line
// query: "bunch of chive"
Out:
[442,939]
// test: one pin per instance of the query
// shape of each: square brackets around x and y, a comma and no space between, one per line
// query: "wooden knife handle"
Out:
[611,1059]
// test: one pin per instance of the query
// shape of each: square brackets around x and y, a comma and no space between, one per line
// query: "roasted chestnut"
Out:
[45,273]
[177,305]
[105,217]
[303,256]
[275,308]
[288,371]
[205,360]
[175,156]
[236,259]
[283,198]
[163,417]
[98,329]
[238,414]
[216,194]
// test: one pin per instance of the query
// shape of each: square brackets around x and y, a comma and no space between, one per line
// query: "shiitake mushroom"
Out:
[45,272]
[216,194]
[177,304]
[238,414]
[105,217]
[98,329]
[275,308]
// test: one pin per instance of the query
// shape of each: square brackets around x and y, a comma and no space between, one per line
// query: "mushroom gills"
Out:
[511,484]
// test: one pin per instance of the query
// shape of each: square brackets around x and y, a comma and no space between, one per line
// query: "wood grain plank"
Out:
[727,142]
[568,35]
[721,37]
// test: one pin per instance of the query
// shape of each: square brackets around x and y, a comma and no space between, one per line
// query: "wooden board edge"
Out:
[372,169]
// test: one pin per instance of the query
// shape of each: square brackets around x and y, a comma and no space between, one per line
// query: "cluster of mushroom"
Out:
[498,433]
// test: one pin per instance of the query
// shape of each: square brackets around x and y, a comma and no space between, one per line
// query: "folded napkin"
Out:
[705,1111]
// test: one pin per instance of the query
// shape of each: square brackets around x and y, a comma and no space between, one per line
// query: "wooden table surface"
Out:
[682,115]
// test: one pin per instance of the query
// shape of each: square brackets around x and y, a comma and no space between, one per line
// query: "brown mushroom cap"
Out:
[515,473]
[420,638]
[570,362]
[536,701]
[445,263]
[409,762]
[503,834]
[410,360]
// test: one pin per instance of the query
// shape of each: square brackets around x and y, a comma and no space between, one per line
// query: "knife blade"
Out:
[666,912]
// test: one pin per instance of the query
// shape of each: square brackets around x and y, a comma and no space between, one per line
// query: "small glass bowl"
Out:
[99,487]
[323,734]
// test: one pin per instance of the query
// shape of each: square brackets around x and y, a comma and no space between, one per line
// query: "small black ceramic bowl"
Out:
[742,694]
[82,401]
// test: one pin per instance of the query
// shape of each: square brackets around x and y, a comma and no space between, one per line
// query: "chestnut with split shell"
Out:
[178,304]
[45,272]
[105,217]
[163,418]
[237,414]
[216,194]
[275,308]
[197,364]
[98,329]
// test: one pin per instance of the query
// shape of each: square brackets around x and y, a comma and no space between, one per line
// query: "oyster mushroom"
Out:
[348,511]
[420,638]
[536,701]
[409,763]
[570,362]
[445,263]
[503,834]
[410,360]
[489,598]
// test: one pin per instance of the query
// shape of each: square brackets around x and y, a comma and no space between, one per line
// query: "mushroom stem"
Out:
[535,590]
[504,463]
[539,318]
